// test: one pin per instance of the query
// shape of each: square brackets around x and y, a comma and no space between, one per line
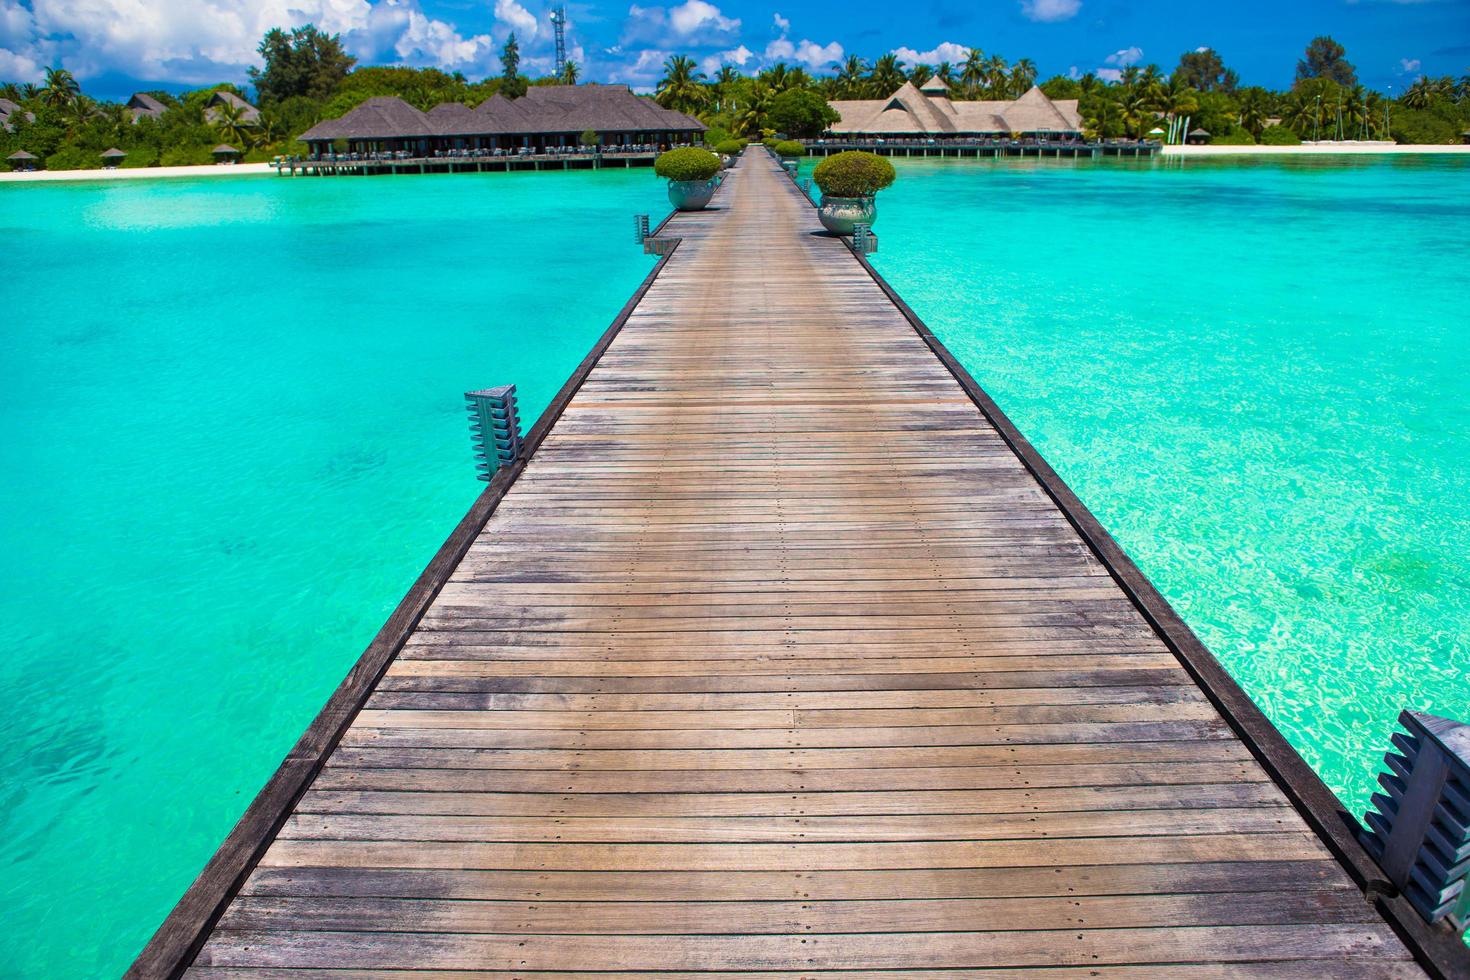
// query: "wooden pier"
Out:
[783,655]
[369,164]
[985,148]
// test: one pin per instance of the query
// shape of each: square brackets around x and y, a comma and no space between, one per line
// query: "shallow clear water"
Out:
[1257,376]
[232,434]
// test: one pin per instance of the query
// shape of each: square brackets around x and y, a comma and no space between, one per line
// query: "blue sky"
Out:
[115,46]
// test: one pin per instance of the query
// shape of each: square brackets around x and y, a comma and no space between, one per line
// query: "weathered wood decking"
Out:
[777,659]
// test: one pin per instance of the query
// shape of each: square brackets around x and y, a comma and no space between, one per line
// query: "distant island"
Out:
[306,77]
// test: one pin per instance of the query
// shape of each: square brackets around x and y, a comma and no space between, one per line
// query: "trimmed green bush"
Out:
[73,158]
[689,163]
[729,148]
[186,156]
[1237,137]
[1279,136]
[853,173]
[140,156]
[789,148]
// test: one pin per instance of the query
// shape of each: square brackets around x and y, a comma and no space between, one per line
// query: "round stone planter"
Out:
[839,214]
[726,162]
[691,195]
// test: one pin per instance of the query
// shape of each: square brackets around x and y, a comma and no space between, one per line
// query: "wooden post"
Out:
[1419,831]
[495,428]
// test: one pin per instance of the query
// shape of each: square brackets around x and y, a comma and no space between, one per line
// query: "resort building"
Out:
[11,113]
[142,104]
[927,110]
[249,115]
[545,118]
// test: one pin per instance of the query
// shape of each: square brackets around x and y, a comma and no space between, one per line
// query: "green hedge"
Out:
[73,158]
[1239,137]
[853,173]
[789,148]
[1279,136]
[689,163]
[729,148]
[186,156]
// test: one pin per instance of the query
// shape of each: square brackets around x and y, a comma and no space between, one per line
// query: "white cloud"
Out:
[947,51]
[1410,65]
[735,56]
[1125,57]
[1073,73]
[209,40]
[694,22]
[1109,74]
[1048,11]
[697,15]
[518,18]
[817,57]
[782,25]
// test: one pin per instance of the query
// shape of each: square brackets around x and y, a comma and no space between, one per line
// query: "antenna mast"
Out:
[559,27]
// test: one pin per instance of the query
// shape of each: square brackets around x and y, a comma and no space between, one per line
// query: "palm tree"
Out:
[724,86]
[972,72]
[1128,77]
[1177,99]
[944,71]
[680,88]
[1138,111]
[79,112]
[229,121]
[61,88]
[1255,109]
[751,117]
[887,75]
[921,74]
[997,76]
[850,77]
[570,72]
[1023,76]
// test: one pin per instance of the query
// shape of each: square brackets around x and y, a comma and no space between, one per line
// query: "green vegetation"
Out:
[853,173]
[306,76]
[1279,136]
[688,163]
[789,149]
[729,147]
[1239,137]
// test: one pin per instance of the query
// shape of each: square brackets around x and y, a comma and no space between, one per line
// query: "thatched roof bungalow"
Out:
[225,153]
[928,111]
[545,117]
[112,157]
[1198,136]
[11,113]
[142,104]
[249,115]
[21,160]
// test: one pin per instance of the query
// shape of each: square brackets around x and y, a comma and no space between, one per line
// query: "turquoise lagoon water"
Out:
[231,434]
[1257,376]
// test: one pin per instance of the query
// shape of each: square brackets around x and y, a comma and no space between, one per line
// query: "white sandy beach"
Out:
[1308,149]
[142,173]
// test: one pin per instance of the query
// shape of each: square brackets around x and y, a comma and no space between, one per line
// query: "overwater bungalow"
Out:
[112,158]
[546,118]
[21,160]
[928,111]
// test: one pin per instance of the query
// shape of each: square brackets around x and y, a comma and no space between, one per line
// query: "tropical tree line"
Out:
[1326,100]
[306,76]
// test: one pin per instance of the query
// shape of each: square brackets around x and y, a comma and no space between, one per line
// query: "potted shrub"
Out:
[728,151]
[789,149]
[849,182]
[690,172]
